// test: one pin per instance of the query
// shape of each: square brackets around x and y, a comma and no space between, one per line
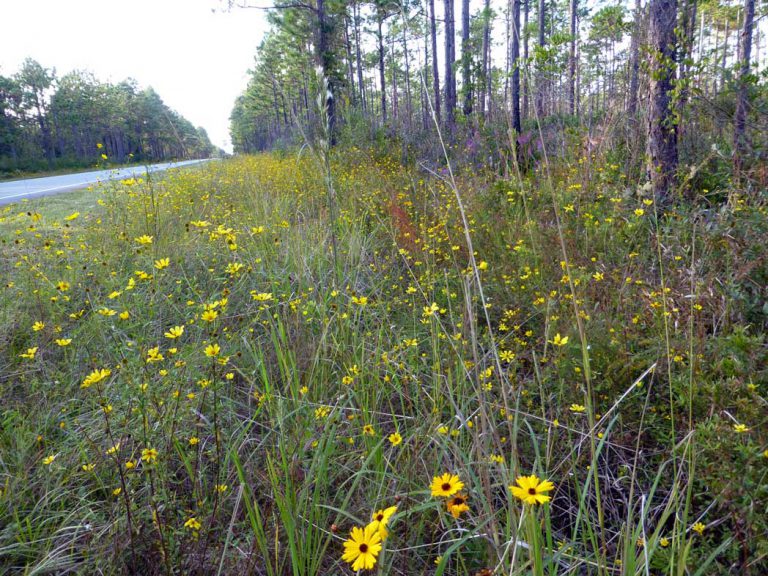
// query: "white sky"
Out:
[197,60]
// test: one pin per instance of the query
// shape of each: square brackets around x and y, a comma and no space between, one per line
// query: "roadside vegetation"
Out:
[494,310]
[277,366]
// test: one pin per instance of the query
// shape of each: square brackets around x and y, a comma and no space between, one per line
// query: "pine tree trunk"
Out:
[435,69]
[540,80]
[688,26]
[526,77]
[466,58]
[662,132]
[350,61]
[382,78]
[485,91]
[634,66]
[572,61]
[358,56]
[395,102]
[514,63]
[740,143]
[424,85]
[725,57]
[408,101]
[450,59]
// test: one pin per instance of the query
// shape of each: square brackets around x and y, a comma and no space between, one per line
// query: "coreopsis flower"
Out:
[95,377]
[149,455]
[531,490]
[430,310]
[29,354]
[446,485]
[559,340]
[162,263]
[154,355]
[457,504]
[192,524]
[362,547]
[380,519]
[174,332]
[395,439]
[261,296]
[209,315]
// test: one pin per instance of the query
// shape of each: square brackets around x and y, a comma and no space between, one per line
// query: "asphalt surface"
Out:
[35,187]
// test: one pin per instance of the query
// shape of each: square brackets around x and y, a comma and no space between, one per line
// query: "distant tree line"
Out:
[49,122]
[659,82]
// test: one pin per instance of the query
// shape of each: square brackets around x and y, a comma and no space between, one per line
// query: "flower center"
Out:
[446,486]
[458,501]
[379,517]
[363,548]
[532,491]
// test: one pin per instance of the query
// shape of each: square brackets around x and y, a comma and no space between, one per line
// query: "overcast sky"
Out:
[197,60]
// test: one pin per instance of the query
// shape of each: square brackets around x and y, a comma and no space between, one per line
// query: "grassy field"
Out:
[233,370]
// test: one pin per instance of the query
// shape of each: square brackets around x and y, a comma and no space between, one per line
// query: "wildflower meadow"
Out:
[273,365]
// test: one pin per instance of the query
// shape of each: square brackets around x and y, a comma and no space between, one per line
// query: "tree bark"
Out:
[526,80]
[408,101]
[725,57]
[485,91]
[572,61]
[466,58]
[424,85]
[450,59]
[358,56]
[382,78]
[634,65]
[395,102]
[540,81]
[514,63]
[350,61]
[740,120]
[685,54]
[435,69]
[662,131]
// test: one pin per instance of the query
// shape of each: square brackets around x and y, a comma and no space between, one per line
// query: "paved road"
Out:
[34,187]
